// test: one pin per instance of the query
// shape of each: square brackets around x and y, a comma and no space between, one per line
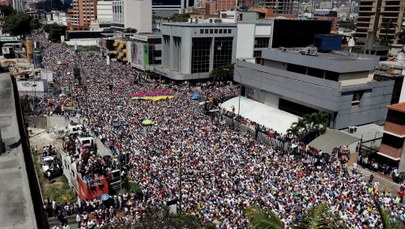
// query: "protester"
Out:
[223,171]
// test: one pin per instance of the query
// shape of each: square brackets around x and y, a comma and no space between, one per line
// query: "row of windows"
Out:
[223,51]
[215,31]
[200,54]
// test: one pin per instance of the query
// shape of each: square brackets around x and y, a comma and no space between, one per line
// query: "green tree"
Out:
[347,25]
[297,129]
[130,30]
[7,10]
[316,217]
[317,122]
[54,31]
[222,73]
[35,24]
[385,27]
[17,24]
[401,37]
[319,217]
[259,219]
[180,17]
[386,220]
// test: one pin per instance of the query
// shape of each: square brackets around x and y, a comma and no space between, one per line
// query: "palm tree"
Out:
[401,37]
[297,129]
[388,223]
[263,220]
[319,217]
[317,121]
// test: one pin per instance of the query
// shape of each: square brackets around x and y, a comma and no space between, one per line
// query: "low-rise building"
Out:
[393,141]
[303,81]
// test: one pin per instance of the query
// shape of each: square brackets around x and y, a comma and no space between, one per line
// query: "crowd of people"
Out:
[222,170]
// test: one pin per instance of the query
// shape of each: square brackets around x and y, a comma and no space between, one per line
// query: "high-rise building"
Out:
[379,19]
[135,14]
[166,8]
[84,12]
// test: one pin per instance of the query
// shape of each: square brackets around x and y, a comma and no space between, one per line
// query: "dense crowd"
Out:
[223,171]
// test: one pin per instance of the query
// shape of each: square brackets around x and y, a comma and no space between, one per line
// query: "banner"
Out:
[140,55]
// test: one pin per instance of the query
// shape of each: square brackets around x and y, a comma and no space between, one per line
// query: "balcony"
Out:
[390,151]
[395,129]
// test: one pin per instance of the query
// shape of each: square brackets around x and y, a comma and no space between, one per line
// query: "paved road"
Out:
[16,209]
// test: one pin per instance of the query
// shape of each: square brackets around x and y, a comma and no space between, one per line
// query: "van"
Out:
[75,129]
[86,141]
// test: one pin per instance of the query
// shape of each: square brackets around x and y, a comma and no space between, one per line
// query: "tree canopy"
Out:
[180,17]
[222,73]
[54,31]
[18,24]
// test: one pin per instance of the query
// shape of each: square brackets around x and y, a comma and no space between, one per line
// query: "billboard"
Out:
[140,55]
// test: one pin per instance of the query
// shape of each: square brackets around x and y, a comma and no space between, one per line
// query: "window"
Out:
[262,42]
[216,31]
[200,53]
[297,69]
[257,54]
[223,51]
[357,95]
[220,30]
[229,31]
[201,31]
[211,31]
[392,140]
[206,31]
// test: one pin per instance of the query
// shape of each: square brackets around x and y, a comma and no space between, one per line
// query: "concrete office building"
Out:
[192,50]
[135,14]
[304,81]
[393,141]
[374,16]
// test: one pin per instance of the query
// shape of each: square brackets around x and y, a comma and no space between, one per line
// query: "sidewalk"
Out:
[391,186]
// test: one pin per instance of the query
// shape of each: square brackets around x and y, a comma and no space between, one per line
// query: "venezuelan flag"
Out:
[152,96]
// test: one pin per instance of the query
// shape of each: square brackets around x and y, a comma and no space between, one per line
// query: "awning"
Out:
[268,116]
[331,139]
[389,157]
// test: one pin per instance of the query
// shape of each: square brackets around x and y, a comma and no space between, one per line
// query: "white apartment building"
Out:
[104,12]
[136,14]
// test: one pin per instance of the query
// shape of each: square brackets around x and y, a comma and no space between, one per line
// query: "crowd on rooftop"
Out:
[222,170]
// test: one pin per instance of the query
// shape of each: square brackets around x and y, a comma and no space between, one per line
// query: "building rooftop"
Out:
[16,206]
[336,61]
[203,24]
[398,107]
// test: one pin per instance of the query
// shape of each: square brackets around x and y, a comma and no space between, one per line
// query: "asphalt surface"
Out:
[16,209]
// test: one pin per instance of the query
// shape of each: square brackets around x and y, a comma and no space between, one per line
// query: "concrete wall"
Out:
[353,78]
[310,91]
[372,108]
[138,15]
[317,93]
[246,39]
[36,197]
[335,63]
[186,32]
